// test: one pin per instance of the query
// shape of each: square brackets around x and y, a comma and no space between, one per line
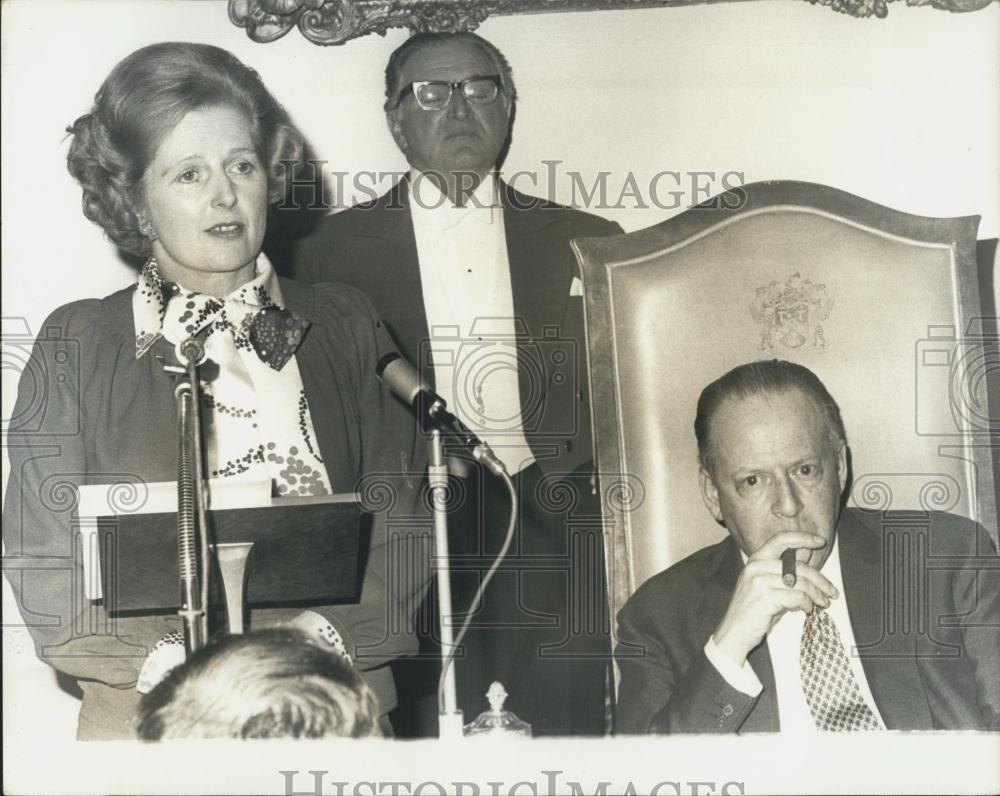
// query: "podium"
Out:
[266,551]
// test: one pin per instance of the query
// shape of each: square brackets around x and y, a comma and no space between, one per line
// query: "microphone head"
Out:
[191,351]
[401,377]
[385,361]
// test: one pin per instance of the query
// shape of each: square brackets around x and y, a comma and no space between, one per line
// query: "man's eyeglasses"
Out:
[433,95]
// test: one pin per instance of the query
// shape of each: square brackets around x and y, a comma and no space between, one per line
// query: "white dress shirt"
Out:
[783,646]
[465,277]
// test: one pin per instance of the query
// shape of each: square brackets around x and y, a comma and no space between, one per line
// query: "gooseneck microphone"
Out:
[404,381]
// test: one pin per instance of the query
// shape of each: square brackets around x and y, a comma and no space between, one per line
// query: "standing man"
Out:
[863,632]
[477,284]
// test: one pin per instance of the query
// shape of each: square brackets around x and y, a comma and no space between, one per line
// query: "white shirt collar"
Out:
[431,206]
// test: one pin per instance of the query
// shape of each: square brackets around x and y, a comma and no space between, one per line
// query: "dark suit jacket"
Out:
[924,601]
[372,246]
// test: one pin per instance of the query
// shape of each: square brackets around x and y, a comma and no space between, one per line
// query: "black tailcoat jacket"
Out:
[527,634]
[372,247]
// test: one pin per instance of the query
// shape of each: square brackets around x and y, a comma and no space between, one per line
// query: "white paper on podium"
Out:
[160,497]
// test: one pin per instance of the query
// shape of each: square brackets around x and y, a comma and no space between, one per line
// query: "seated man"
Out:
[266,684]
[720,642]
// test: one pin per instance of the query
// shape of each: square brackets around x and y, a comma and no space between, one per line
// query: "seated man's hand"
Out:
[760,597]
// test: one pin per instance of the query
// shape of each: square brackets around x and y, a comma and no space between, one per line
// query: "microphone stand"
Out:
[191,516]
[431,410]
[450,720]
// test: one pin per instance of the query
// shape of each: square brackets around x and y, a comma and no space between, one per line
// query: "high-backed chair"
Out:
[883,306]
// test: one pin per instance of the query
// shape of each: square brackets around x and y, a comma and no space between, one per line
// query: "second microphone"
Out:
[405,382]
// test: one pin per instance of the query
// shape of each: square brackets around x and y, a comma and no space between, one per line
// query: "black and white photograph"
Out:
[505,397]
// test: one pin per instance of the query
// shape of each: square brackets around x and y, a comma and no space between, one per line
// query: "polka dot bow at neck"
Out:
[249,313]
[255,414]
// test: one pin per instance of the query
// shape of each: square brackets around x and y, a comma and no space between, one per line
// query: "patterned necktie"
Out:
[831,691]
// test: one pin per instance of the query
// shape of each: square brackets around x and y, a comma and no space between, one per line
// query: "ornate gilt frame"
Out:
[338,21]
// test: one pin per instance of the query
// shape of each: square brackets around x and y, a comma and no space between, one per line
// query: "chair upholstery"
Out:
[882,305]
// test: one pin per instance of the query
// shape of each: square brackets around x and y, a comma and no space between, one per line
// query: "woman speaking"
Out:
[178,160]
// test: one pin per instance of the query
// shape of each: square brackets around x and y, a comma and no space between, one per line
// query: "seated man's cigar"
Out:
[788,567]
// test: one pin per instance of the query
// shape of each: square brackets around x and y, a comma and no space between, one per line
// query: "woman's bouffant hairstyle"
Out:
[143,98]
